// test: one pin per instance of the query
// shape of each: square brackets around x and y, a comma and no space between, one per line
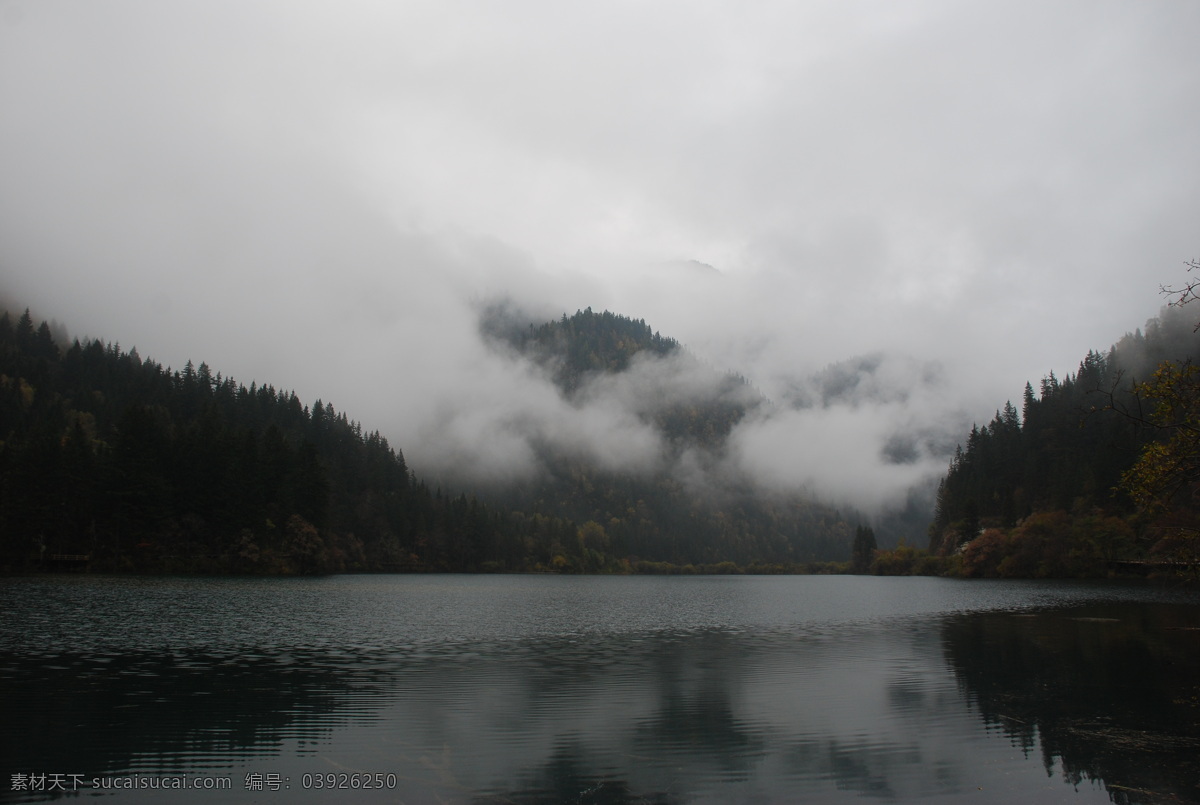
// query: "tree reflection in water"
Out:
[611,690]
[1109,691]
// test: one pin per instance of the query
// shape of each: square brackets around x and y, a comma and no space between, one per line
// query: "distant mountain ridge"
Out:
[693,497]
[683,398]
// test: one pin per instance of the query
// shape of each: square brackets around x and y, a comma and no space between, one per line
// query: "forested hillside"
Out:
[136,466]
[1045,491]
[139,467]
[689,403]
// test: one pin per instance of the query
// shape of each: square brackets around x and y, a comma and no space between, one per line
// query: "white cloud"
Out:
[319,197]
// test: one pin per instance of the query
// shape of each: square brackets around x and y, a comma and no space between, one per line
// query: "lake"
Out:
[530,689]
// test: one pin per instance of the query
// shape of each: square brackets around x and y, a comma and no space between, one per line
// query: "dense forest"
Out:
[137,467]
[115,462]
[1049,490]
[118,462]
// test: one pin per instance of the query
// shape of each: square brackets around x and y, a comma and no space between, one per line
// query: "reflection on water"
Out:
[1108,691]
[548,689]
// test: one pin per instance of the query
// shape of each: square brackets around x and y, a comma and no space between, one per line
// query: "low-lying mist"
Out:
[866,433]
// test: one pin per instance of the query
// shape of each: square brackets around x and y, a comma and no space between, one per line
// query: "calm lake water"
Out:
[598,689]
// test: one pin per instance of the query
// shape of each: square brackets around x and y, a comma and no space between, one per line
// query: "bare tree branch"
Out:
[1188,292]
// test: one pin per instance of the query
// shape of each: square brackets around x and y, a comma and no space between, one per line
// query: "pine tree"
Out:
[863,550]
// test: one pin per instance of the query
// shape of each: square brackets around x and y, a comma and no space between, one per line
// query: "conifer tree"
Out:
[863,550]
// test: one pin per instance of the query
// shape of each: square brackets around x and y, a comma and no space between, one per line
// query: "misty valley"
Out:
[222,591]
[631,455]
[600,403]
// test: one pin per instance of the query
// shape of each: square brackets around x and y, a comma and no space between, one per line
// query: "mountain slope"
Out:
[1040,492]
[688,504]
[140,467]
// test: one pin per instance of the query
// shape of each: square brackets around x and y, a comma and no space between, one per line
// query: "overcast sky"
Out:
[320,195]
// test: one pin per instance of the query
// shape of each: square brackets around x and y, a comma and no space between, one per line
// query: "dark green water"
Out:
[612,689]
